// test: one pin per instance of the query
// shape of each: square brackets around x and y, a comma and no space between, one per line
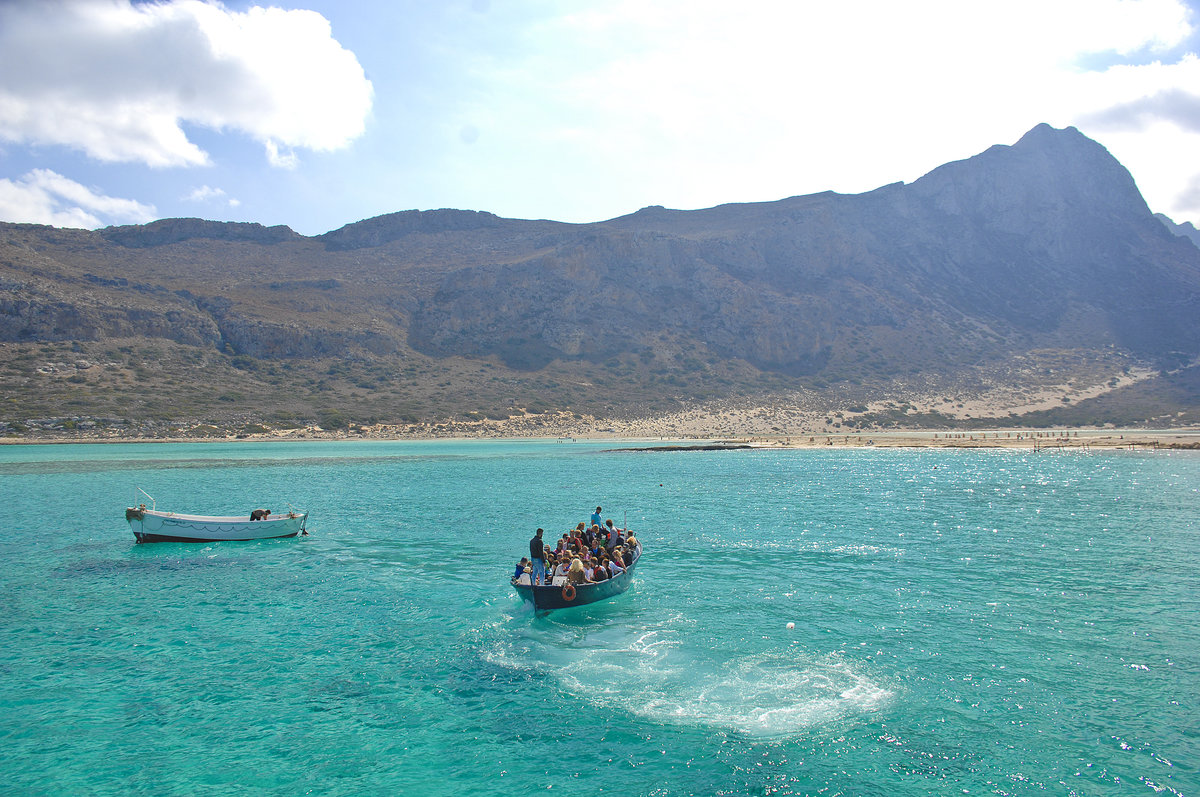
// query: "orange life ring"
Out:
[568,592]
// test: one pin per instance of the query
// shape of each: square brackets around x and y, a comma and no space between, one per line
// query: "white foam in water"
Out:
[653,676]
[764,695]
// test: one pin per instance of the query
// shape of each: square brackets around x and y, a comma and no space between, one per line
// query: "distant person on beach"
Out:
[537,553]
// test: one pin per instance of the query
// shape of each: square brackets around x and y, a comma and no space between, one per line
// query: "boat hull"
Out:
[550,597]
[149,525]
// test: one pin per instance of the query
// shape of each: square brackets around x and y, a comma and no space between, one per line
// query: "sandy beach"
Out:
[978,413]
[758,428]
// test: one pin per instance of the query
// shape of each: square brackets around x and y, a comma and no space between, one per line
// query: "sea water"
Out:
[965,622]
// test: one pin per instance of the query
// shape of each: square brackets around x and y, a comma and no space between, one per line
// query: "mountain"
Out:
[1185,230]
[1019,241]
[1039,256]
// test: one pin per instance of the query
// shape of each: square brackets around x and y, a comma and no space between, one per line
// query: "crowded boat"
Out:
[596,553]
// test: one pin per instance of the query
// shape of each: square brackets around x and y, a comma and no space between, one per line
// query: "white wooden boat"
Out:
[150,525]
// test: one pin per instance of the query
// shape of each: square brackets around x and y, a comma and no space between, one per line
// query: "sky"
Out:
[319,114]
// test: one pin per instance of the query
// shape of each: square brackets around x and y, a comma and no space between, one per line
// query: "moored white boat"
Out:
[150,525]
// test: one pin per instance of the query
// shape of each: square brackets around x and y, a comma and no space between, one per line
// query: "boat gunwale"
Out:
[224,520]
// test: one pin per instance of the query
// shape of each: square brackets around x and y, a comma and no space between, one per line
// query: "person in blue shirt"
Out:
[521,565]
[596,519]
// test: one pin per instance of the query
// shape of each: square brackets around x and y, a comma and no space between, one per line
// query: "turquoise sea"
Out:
[966,622]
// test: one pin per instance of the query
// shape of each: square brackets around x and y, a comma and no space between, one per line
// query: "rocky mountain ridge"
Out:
[1042,246]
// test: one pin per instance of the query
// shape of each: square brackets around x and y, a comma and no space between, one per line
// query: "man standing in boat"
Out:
[596,519]
[538,555]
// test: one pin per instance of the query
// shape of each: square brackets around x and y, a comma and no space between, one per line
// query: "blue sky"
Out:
[319,114]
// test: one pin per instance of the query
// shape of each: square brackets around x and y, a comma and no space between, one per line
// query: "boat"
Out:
[150,525]
[563,596]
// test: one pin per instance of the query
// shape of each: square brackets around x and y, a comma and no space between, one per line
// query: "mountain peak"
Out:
[1042,135]
[379,230]
[1048,170]
[171,231]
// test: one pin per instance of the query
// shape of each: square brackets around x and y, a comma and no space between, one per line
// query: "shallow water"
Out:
[994,622]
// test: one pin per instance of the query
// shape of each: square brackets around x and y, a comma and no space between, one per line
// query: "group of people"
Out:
[590,552]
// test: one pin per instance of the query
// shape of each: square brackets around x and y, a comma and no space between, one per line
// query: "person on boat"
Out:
[521,565]
[596,519]
[599,572]
[260,514]
[610,532]
[576,574]
[563,567]
[615,568]
[537,553]
[628,551]
[525,576]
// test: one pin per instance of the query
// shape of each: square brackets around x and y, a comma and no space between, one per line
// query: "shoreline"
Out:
[1021,439]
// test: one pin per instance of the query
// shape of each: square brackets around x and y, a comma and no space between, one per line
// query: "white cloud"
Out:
[121,81]
[695,102]
[284,160]
[208,194]
[45,197]
[1190,195]
[204,194]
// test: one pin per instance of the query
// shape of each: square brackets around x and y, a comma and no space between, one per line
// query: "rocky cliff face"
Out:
[1048,238]
[1044,243]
